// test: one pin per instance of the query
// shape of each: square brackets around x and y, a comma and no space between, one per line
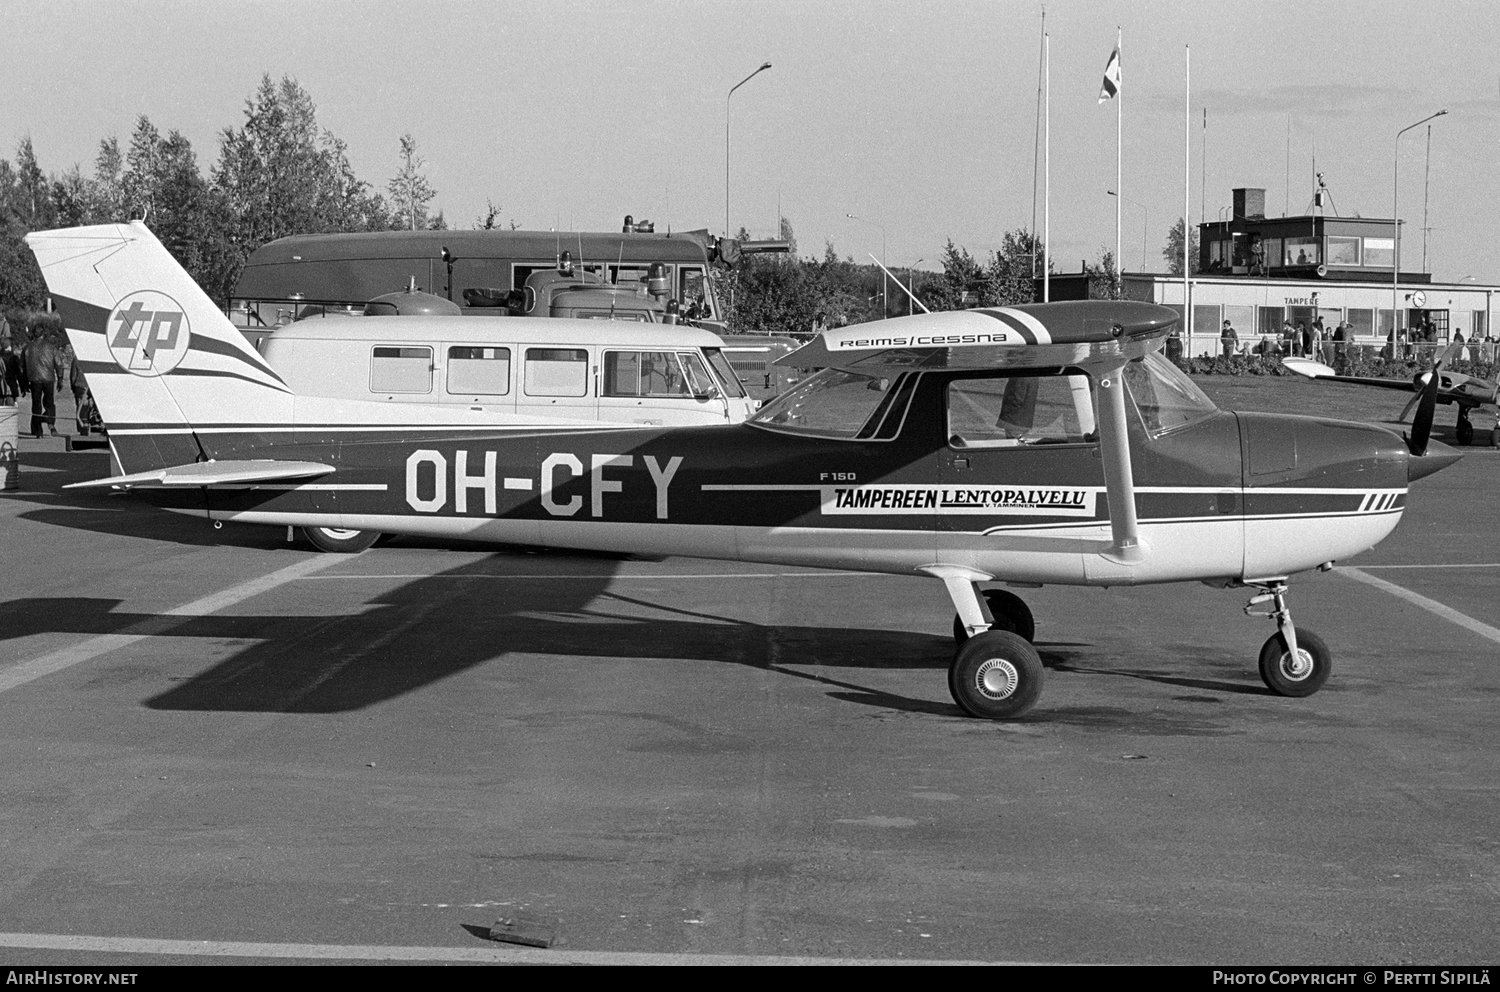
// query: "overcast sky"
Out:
[916,115]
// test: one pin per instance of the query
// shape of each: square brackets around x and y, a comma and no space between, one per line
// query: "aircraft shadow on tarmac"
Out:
[433,628]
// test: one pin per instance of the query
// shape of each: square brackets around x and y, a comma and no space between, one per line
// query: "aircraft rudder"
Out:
[155,347]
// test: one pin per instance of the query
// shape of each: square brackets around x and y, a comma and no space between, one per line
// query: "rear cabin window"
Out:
[997,412]
[401,369]
[557,372]
[479,371]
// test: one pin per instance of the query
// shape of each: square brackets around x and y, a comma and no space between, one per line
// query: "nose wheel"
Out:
[1292,662]
[1299,675]
[1465,428]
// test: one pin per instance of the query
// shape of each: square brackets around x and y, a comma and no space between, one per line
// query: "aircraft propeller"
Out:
[1421,426]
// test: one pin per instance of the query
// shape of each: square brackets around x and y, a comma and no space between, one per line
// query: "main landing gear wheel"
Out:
[996,675]
[1465,431]
[1010,612]
[1300,677]
[337,540]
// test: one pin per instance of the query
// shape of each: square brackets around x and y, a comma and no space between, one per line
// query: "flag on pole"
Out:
[1111,85]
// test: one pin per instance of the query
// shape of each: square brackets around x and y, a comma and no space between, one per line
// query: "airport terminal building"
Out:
[1257,271]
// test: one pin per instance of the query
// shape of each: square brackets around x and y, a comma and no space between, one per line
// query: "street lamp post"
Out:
[764,66]
[1396,221]
[884,309]
[911,286]
[1145,230]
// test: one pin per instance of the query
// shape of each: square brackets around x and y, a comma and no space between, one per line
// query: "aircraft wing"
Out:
[213,473]
[1090,334]
[1317,370]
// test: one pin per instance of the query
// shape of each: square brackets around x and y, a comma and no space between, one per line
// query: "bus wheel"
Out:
[337,540]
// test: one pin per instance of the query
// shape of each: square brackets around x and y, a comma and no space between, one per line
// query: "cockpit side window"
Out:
[1009,411]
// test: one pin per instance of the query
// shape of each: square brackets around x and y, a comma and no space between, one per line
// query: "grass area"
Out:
[1338,400]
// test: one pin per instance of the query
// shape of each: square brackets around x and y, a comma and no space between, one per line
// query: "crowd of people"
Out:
[36,364]
[1313,340]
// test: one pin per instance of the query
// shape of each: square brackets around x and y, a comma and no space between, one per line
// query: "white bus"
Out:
[615,371]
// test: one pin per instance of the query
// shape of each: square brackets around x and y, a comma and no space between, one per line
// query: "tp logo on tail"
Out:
[148,333]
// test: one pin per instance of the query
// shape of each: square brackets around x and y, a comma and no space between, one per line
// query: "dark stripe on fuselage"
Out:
[635,475]
[200,342]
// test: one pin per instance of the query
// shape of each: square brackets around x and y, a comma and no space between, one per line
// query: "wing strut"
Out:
[1119,481]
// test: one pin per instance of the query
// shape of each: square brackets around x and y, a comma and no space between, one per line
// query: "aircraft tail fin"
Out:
[161,359]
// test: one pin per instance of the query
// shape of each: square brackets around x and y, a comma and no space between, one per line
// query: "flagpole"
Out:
[1119,144]
[1187,187]
[1047,168]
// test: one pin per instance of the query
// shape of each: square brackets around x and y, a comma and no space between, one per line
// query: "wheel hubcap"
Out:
[996,678]
[1298,669]
[338,534]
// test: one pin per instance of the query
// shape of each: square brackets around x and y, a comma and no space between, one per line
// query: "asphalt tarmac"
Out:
[219,747]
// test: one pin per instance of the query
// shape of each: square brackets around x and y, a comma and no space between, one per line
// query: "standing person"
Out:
[1313,344]
[1341,341]
[1229,338]
[44,369]
[81,398]
[10,376]
[1174,348]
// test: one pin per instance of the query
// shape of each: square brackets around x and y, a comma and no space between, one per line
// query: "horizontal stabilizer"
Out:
[223,473]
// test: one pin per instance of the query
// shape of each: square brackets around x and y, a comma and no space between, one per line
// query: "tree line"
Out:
[278,173]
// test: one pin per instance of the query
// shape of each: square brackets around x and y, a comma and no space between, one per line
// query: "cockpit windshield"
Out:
[987,410]
[830,403]
[1165,397]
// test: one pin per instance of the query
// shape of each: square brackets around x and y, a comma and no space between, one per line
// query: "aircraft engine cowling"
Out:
[1322,490]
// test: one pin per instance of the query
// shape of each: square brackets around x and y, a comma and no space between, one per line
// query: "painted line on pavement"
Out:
[1431,605]
[594,575]
[177,616]
[498,954]
[1482,564]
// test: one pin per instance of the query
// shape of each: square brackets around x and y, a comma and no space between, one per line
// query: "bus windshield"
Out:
[727,376]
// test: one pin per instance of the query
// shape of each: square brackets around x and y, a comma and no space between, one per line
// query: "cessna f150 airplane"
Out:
[1025,445]
[1467,392]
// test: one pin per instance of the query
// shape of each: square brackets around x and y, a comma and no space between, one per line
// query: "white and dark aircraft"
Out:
[1466,392]
[1021,445]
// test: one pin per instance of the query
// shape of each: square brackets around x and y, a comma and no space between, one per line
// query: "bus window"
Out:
[629,276]
[557,372]
[401,369]
[643,373]
[656,373]
[699,382]
[479,371]
[691,290]
[520,271]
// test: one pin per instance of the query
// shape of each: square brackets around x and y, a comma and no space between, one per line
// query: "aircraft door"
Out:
[1021,463]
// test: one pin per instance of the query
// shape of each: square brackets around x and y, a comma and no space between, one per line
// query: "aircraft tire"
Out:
[1282,678]
[1465,431]
[1495,437]
[337,540]
[1010,612]
[996,675]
